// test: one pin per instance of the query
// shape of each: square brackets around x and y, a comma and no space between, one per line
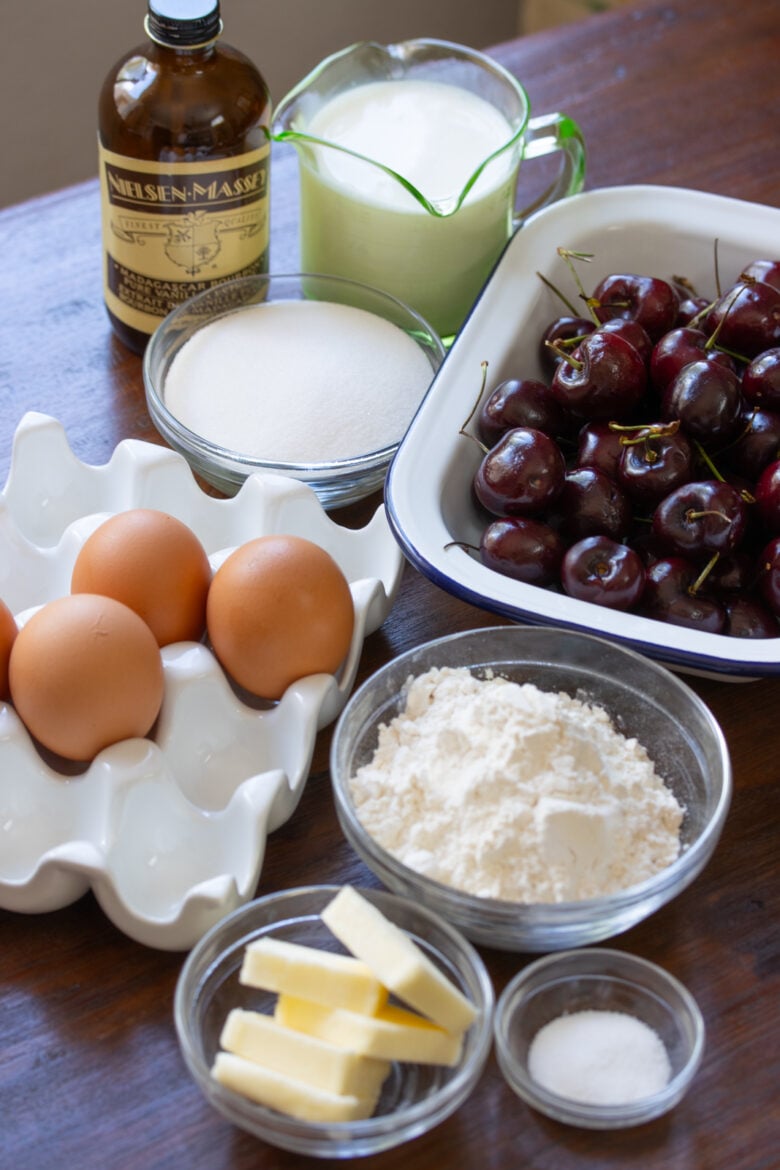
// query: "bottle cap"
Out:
[183,23]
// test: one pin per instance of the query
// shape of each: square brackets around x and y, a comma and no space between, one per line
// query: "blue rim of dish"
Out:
[719,668]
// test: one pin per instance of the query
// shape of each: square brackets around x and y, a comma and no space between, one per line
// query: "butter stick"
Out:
[396,960]
[333,979]
[263,1040]
[392,1033]
[286,1094]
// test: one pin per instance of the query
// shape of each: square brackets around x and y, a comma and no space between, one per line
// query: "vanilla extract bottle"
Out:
[184,167]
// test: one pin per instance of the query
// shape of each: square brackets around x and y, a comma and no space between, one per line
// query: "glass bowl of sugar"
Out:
[598,1038]
[536,787]
[312,377]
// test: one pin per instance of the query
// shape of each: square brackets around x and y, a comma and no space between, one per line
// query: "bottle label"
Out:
[172,229]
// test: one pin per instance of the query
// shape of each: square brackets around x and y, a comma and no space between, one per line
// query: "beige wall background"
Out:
[54,55]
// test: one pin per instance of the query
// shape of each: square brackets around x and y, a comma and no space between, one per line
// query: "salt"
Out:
[298,382]
[599,1058]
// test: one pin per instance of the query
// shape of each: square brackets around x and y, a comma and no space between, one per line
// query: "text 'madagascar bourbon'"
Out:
[172,230]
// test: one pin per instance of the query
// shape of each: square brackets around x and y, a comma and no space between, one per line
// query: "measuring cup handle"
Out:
[545,135]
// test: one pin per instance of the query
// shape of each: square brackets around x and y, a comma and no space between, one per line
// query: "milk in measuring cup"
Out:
[359,222]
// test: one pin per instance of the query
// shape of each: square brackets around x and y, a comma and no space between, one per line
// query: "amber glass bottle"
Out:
[183,155]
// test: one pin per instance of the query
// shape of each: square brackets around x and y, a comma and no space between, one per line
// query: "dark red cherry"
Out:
[522,402]
[650,301]
[559,333]
[757,444]
[746,617]
[604,378]
[767,497]
[676,349]
[591,504]
[525,549]
[767,271]
[690,309]
[671,595]
[632,332]
[707,399]
[701,517]
[521,475]
[691,305]
[654,461]
[599,445]
[769,575]
[604,572]
[733,573]
[761,379]
[748,317]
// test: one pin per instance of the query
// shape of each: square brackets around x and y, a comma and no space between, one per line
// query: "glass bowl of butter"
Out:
[312,377]
[334,1022]
[536,787]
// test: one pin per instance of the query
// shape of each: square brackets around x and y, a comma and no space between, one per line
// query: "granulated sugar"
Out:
[298,381]
[506,791]
[599,1058]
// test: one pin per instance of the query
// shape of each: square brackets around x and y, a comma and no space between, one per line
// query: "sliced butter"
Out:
[265,1041]
[286,1094]
[392,1033]
[336,980]
[396,960]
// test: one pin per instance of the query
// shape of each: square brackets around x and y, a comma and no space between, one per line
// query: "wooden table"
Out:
[683,92]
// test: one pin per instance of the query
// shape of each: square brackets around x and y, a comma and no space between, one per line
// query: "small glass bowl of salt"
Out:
[312,377]
[598,1038]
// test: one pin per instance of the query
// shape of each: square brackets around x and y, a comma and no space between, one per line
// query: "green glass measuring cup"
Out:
[408,161]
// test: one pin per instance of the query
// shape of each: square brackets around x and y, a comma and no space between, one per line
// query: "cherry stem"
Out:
[632,433]
[564,355]
[715,247]
[567,255]
[711,341]
[708,462]
[702,313]
[744,493]
[463,431]
[574,312]
[703,575]
[461,544]
[692,514]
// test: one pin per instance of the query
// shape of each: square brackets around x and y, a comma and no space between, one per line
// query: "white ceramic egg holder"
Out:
[169,832]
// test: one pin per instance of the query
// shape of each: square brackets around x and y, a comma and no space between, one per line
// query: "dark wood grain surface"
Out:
[685,92]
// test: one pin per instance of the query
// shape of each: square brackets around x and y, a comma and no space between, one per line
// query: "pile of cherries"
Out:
[644,473]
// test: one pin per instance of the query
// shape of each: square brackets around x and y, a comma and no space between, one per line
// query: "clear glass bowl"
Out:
[414,1098]
[644,700]
[336,483]
[598,979]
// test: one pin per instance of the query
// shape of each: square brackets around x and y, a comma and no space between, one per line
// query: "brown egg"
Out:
[279,608]
[85,672]
[155,564]
[8,633]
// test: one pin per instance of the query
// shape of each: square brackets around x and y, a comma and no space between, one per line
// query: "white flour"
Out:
[505,791]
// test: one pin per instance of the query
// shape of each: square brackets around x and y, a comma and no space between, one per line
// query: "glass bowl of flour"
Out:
[538,788]
[311,377]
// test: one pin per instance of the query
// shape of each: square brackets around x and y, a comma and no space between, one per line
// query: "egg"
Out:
[85,672]
[279,608]
[155,564]
[8,633]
